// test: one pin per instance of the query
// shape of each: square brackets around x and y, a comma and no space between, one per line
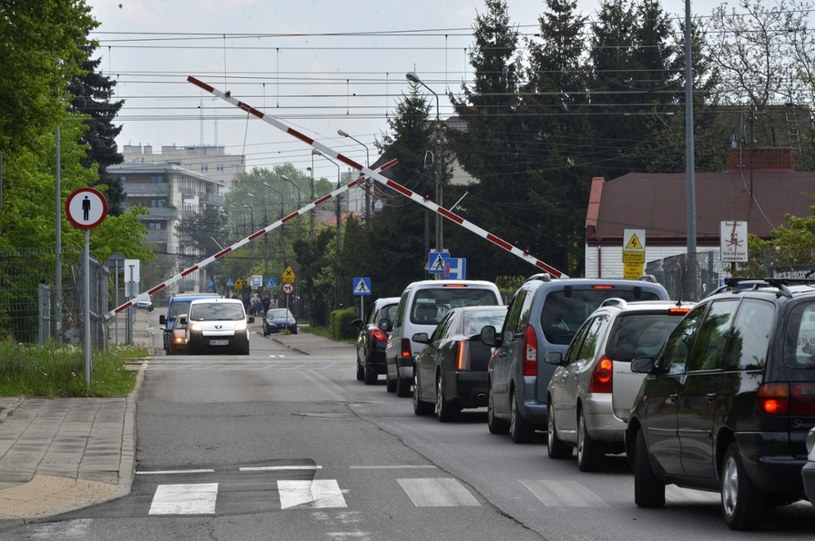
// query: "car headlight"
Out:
[240,326]
[196,327]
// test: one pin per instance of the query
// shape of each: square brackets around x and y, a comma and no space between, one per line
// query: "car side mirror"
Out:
[357,323]
[554,357]
[384,324]
[642,365]
[489,336]
[421,338]
[162,320]
[250,319]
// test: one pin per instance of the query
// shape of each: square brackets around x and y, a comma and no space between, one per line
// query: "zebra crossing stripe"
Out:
[194,499]
[318,494]
[437,492]
[563,494]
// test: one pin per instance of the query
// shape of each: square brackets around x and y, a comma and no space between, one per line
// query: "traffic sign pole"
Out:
[86,208]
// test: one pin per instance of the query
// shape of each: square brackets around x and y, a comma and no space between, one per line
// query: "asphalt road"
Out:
[283,444]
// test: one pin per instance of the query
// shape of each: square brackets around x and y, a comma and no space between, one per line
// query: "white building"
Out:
[209,160]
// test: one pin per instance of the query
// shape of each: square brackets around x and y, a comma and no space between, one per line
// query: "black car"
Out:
[451,372]
[727,403]
[373,337]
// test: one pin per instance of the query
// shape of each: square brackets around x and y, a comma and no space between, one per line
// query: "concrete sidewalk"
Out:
[68,453]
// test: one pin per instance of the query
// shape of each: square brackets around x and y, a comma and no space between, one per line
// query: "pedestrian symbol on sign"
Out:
[361,286]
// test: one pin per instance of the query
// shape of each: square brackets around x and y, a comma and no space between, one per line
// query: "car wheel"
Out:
[590,454]
[294,331]
[420,407]
[649,491]
[445,410]
[496,425]
[360,371]
[390,385]
[519,429]
[743,504]
[555,448]
[402,386]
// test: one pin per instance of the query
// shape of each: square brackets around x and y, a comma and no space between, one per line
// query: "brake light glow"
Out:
[378,335]
[678,310]
[602,378]
[530,365]
[463,355]
[774,398]
[405,347]
[602,286]
[455,285]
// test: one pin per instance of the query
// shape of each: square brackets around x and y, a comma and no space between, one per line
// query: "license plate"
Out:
[219,342]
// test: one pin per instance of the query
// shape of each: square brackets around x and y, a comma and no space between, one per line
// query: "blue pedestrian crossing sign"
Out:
[437,262]
[271,283]
[229,282]
[361,285]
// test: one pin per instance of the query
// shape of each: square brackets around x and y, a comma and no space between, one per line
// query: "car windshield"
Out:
[431,304]
[565,310]
[179,307]
[216,311]
[279,313]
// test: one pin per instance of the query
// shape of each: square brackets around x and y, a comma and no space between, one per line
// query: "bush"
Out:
[341,327]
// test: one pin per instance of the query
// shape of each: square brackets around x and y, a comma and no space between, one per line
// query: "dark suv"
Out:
[543,316]
[727,403]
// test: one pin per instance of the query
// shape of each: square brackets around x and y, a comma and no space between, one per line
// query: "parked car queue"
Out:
[604,366]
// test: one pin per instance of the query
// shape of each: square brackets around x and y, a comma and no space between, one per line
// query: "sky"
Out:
[317,65]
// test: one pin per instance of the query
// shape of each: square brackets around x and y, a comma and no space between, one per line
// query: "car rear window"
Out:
[566,309]
[430,305]
[216,311]
[640,335]
[799,342]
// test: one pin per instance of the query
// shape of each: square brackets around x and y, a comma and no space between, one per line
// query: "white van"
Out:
[421,307]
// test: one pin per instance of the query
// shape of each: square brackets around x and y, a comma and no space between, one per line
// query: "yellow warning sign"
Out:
[634,258]
[633,243]
[288,275]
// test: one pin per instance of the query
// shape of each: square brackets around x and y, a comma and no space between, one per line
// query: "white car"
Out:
[144,304]
[218,325]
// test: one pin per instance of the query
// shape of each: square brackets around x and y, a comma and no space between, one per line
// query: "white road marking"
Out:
[563,494]
[394,467]
[322,493]
[278,468]
[438,492]
[197,499]
[172,472]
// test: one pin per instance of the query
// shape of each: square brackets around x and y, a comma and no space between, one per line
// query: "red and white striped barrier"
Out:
[201,264]
[395,186]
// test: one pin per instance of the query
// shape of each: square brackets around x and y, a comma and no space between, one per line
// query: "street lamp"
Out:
[282,226]
[368,183]
[337,249]
[412,77]
[287,179]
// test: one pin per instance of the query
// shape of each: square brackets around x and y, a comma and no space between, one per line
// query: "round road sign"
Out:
[86,208]
[288,289]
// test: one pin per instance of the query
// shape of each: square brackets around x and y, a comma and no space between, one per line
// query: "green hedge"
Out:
[341,327]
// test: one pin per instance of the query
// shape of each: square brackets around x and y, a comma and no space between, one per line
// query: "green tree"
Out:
[207,231]
[91,97]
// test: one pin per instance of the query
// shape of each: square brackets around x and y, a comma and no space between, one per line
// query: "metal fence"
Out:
[28,302]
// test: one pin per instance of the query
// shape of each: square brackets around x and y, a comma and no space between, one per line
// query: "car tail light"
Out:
[378,335]
[462,355]
[787,399]
[530,366]
[679,310]
[405,347]
[602,379]
[605,287]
